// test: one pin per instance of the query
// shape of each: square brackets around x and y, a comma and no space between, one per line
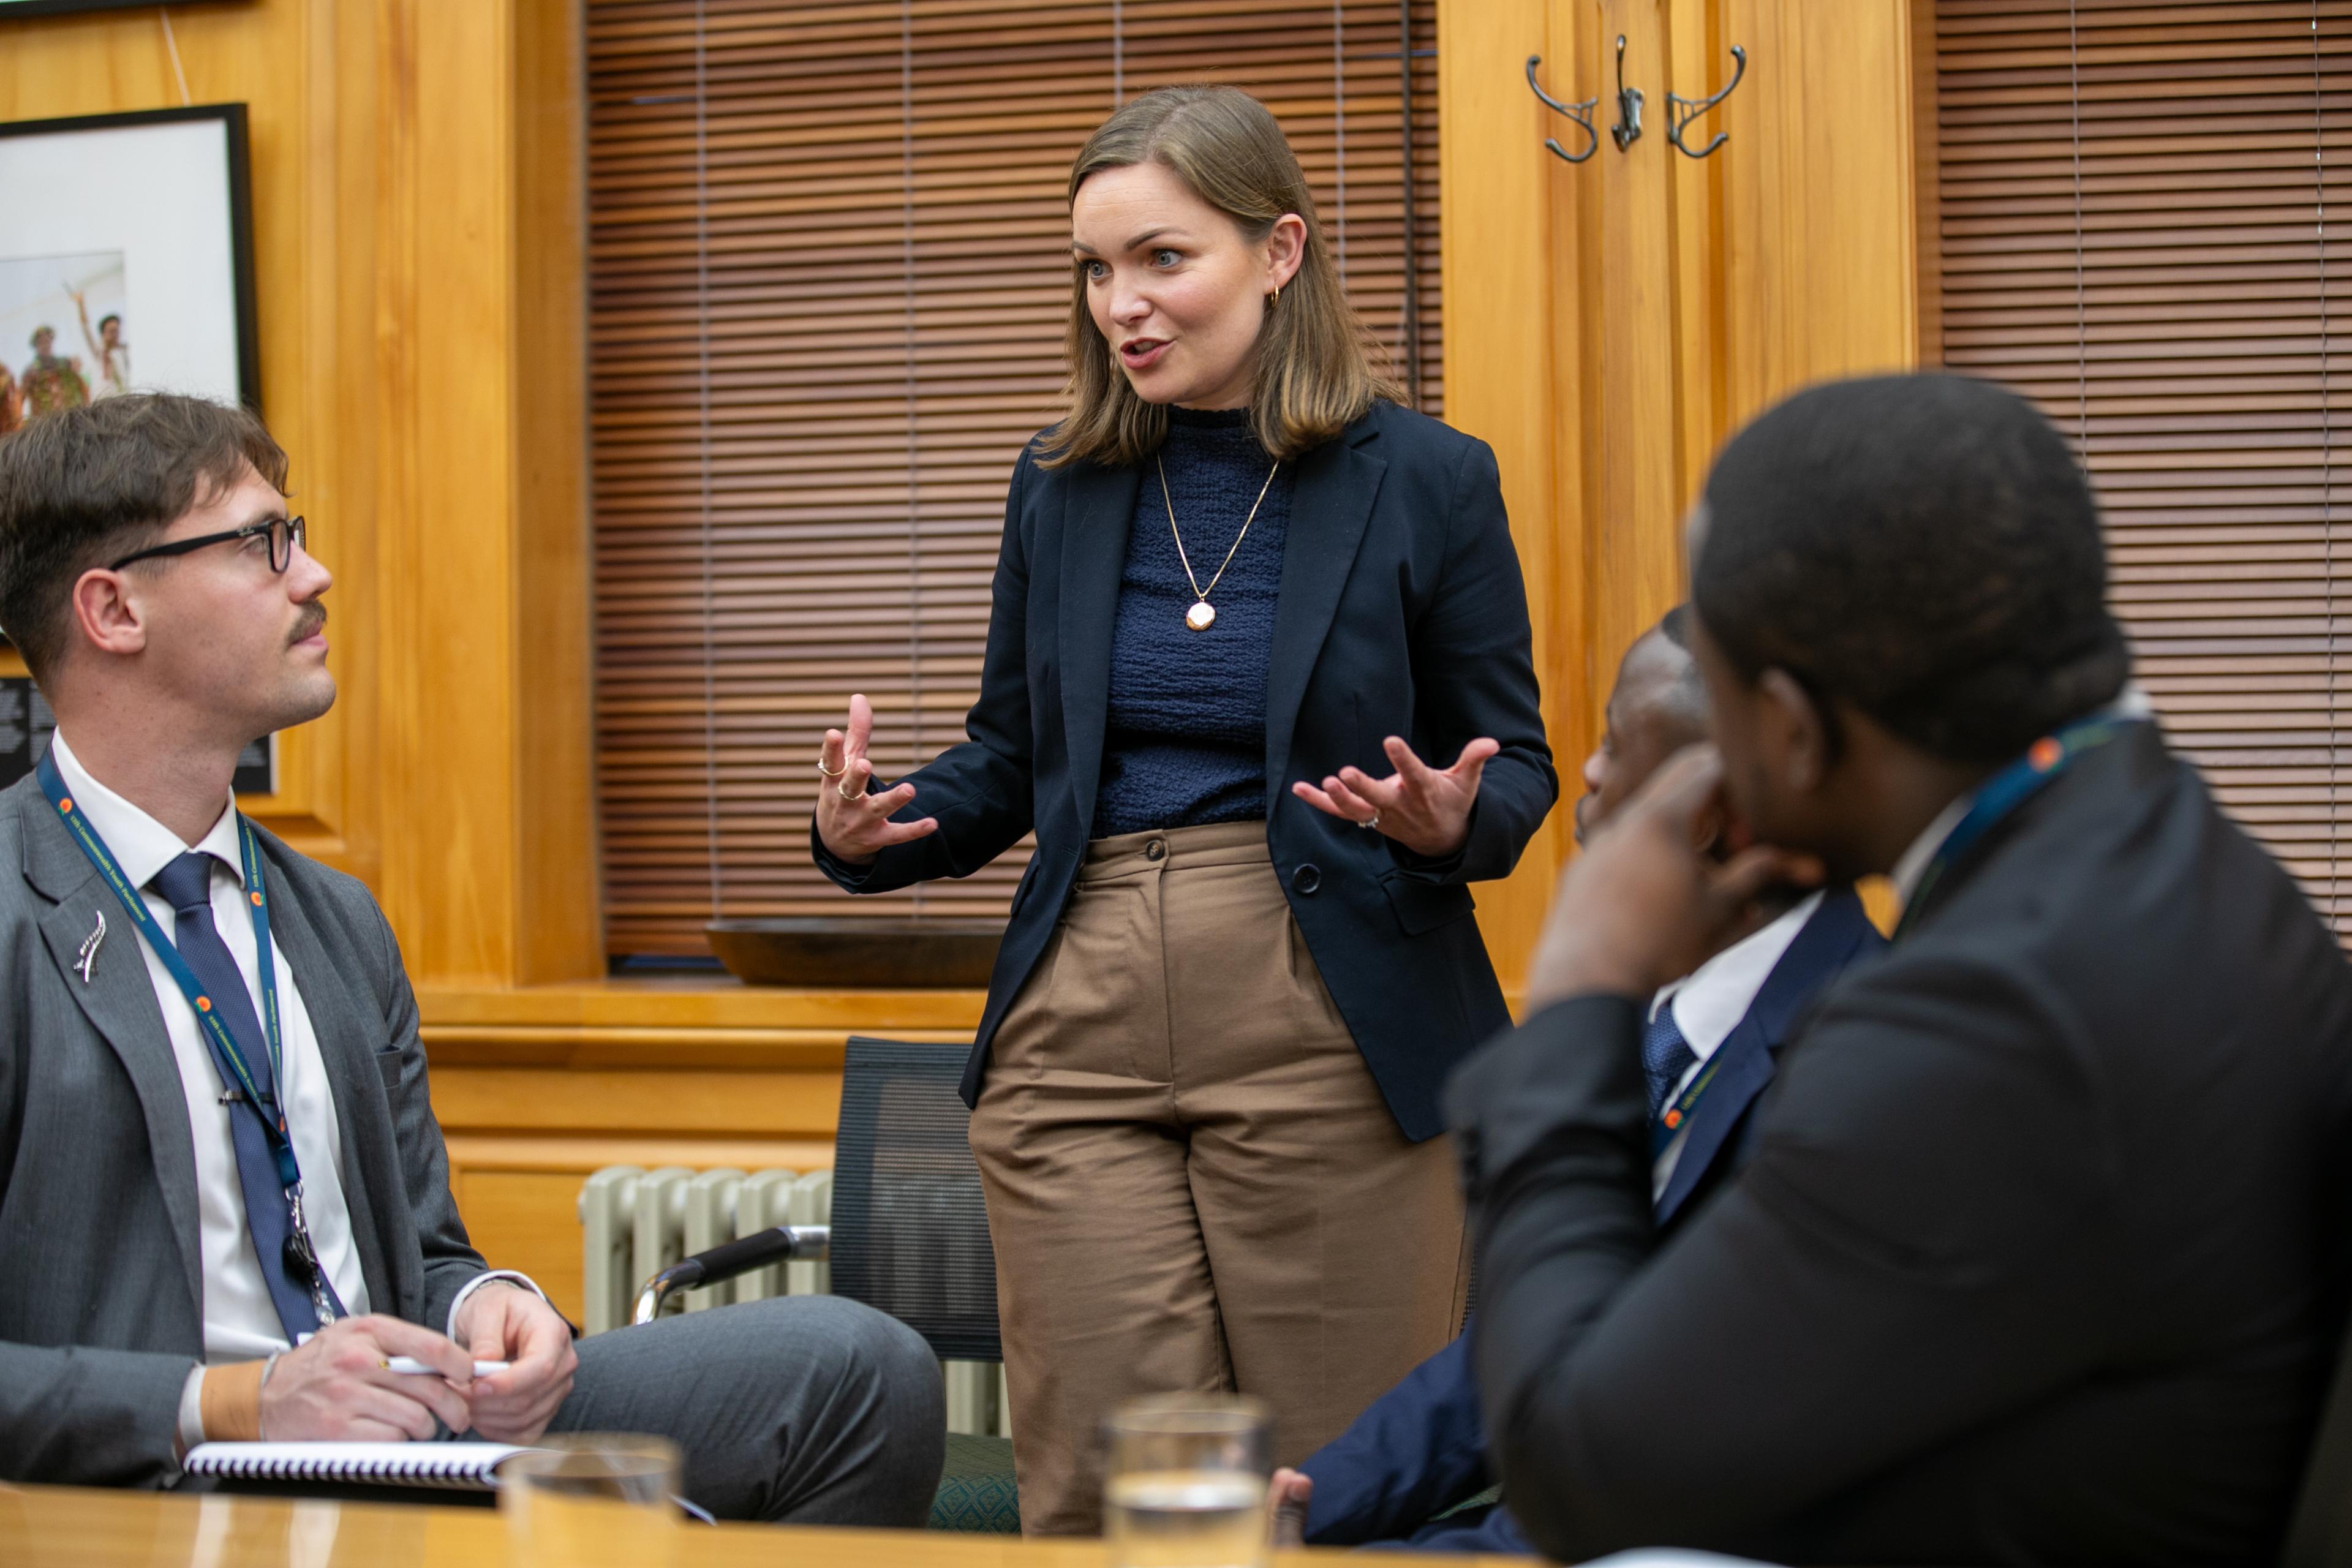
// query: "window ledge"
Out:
[690,1022]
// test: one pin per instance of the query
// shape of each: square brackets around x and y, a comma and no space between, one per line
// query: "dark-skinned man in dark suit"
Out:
[2038,1259]
[1408,1471]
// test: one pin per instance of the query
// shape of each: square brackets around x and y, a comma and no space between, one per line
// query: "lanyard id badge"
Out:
[257,1089]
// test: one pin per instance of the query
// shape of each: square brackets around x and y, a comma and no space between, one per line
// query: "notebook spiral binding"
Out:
[463,1467]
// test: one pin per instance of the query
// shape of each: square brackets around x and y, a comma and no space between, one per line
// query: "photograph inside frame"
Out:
[64,333]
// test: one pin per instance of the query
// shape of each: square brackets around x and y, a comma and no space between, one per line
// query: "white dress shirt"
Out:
[240,1322]
[1710,1001]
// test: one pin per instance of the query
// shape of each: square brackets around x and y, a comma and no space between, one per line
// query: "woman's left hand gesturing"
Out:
[1423,808]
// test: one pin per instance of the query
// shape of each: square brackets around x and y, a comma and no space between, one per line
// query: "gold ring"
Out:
[845,794]
[831,772]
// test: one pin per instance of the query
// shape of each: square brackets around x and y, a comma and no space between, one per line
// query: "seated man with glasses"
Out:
[224,1205]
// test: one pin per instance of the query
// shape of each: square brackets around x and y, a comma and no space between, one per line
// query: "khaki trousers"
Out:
[1194,1183]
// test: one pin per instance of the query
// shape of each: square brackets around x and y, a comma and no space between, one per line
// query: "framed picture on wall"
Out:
[126,259]
[126,262]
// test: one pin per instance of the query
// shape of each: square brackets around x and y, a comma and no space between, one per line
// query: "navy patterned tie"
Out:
[1665,1055]
[187,884]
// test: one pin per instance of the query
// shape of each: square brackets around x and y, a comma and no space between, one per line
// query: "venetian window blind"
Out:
[2136,204]
[829,276]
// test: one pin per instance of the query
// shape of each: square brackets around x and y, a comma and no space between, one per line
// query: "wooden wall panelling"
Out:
[1677,296]
[1633,539]
[1699,62]
[1500,263]
[445,285]
[1926,202]
[561,921]
[1821,255]
[1574,223]
[473,411]
[537,1087]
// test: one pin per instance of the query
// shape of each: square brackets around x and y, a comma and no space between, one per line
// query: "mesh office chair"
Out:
[909,1236]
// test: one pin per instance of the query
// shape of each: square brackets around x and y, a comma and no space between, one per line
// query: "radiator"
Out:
[634,1223]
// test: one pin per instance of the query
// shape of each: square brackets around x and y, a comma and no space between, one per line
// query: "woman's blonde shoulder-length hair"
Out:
[1316,370]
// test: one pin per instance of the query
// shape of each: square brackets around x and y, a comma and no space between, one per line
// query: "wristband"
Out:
[230,1399]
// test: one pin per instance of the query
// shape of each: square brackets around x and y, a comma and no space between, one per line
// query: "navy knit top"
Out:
[1184,741]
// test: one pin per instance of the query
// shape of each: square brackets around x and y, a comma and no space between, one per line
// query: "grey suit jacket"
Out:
[101,1287]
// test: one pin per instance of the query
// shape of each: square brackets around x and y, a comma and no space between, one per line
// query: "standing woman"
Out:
[1258,676]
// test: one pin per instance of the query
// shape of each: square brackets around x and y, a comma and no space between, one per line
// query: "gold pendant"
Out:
[1201,617]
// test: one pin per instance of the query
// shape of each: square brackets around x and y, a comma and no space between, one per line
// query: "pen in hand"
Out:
[411,1365]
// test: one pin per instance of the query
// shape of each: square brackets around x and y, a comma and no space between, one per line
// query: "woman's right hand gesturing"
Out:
[856,826]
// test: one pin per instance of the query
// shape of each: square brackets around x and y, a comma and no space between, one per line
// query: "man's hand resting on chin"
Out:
[505,1323]
[1645,902]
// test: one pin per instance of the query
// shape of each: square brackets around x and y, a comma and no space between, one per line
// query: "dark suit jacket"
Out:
[1401,613]
[2038,1257]
[1421,1448]
[101,1309]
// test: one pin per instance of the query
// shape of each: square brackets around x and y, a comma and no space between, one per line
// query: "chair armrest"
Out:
[782,1244]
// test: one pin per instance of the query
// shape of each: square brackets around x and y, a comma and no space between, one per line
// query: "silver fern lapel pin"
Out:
[89,955]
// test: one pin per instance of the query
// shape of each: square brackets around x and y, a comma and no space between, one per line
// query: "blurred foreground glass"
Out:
[1186,1483]
[592,1498]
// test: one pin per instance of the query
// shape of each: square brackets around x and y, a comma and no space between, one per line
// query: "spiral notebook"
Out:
[458,1466]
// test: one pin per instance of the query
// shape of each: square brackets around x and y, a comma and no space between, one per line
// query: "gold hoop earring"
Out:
[1275,298]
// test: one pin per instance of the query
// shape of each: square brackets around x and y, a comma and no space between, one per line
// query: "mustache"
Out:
[314,622]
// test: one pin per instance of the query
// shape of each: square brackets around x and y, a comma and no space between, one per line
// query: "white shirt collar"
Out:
[1914,862]
[1710,1000]
[141,845]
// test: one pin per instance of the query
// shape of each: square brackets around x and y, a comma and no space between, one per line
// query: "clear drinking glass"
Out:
[592,1498]
[1186,1486]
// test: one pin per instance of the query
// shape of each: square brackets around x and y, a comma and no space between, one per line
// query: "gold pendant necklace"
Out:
[1202,615]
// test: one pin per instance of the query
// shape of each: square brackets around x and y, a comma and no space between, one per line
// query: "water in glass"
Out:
[1186,1486]
[1186,1519]
[593,1498]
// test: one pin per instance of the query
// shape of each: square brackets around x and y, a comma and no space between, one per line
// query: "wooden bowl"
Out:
[855,954]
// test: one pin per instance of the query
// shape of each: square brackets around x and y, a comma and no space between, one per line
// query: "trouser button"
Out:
[1156,850]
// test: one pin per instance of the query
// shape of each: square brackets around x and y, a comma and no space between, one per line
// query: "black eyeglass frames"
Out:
[286,533]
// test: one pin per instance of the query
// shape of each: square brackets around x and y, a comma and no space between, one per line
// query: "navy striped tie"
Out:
[1665,1055]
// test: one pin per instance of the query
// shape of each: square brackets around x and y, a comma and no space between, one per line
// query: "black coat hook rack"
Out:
[1628,129]
[1582,114]
[1681,110]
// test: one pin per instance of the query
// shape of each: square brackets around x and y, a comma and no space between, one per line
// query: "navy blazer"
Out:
[1421,1448]
[1401,612]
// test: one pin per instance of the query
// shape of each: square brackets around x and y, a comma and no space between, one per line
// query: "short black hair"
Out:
[81,487]
[1924,547]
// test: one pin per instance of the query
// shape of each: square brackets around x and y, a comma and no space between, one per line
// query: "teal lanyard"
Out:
[2004,793]
[260,1090]
[1678,1111]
